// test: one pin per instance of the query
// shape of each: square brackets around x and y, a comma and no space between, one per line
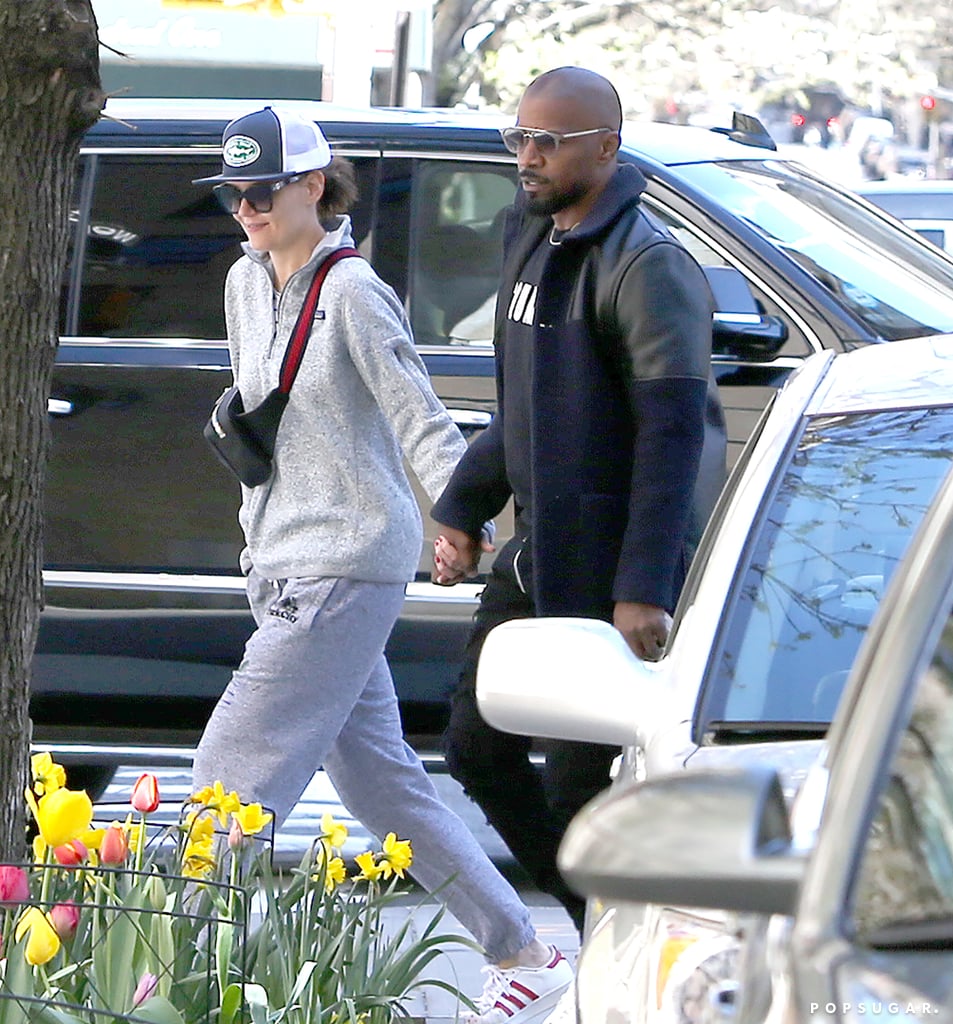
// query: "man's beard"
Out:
[546,206]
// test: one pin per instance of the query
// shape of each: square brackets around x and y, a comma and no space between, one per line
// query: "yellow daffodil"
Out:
[198,858]
[333,867]
[334,874]
[215,799]
[396,856]
[47,774]
[135,833]
[333,831]
[371,871]
[61,815]
[251,819]
[198,861]
[43,942]
[198,827]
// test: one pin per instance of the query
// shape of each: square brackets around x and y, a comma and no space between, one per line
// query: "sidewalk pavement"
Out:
[461,966]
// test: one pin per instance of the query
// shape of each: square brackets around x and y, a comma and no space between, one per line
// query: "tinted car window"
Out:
[906,872]
[896,288]
[150,236]
[457,249]
[851,496]
[158,248]
[708,257]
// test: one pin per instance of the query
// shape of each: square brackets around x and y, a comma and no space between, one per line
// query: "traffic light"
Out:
[928,104]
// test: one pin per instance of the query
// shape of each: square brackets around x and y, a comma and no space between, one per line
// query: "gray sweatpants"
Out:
[314,689]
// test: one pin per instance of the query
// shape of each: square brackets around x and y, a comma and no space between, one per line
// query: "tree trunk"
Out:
[49,94]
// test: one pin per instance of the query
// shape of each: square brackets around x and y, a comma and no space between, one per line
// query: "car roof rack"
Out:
[748,130]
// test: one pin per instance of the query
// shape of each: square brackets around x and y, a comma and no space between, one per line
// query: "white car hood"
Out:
[792,759]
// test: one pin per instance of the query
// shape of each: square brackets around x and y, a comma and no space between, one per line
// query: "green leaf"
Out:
[51,1015]
[231,1004]
[257,999]
[158,1010]
[223,954]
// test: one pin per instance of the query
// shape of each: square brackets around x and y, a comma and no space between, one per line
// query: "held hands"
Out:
[456,556]
[644,627]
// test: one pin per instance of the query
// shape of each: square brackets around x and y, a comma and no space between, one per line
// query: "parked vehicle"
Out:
[926,206]
[796,560]
[145,612]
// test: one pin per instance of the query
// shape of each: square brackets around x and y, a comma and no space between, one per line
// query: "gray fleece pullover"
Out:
[338,502]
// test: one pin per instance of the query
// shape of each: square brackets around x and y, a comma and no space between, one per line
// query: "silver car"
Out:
[817,515]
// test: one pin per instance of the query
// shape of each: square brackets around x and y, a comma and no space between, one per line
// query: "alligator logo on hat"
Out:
[240,150]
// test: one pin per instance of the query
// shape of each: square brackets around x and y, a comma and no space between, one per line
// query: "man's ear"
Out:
[609,147]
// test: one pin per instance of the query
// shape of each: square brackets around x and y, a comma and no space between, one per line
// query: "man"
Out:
[607,411]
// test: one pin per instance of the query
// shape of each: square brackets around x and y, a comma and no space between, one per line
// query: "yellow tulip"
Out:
[47,774]
[61,815]
[43,942]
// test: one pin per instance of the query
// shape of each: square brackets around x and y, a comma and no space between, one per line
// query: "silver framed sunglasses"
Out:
[515,138]
[260,196]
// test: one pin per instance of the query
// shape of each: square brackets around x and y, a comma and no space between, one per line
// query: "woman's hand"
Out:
[456,556]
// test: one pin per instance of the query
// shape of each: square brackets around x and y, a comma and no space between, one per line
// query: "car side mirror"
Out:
[568,678]
[739,327]
[715,838]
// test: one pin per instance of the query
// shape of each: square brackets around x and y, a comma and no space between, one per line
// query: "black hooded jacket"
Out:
[627,431]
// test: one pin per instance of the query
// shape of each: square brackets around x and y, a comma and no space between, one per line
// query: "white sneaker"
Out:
[522,995]
[565,1011]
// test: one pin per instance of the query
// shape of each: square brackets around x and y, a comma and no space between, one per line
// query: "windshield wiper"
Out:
[931,933]
[764,731]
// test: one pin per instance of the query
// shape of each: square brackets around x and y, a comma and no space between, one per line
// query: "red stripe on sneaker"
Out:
[555,960]
[502,1006]
[518,1003]
[528,992]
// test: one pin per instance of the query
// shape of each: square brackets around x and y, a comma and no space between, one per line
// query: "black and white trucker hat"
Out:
[270,144]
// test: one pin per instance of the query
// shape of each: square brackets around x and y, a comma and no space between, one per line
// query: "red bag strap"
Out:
[298,342]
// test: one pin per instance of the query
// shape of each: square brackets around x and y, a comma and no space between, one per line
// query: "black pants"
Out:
[528,808]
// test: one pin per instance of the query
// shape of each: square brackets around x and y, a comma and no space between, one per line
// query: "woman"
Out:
[331,539]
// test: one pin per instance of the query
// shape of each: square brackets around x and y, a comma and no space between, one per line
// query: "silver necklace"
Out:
[553,240]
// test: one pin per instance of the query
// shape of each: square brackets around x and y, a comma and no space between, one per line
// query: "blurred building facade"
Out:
[352,52]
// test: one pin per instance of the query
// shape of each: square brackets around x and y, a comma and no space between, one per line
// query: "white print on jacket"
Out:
[523,303]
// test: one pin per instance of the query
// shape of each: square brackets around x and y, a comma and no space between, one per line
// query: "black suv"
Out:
[146,613]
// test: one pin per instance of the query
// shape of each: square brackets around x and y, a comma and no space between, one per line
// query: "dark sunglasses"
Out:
[546,142]
[260,196]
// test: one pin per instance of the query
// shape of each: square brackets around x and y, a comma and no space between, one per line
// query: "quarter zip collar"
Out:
[338,234]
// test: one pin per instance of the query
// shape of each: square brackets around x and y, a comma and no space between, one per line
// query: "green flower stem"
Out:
[233,876]
[47,877]
[141,845]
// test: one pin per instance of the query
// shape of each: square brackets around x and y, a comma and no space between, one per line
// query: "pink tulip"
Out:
[14,885]
[114,847]
[145,793]
[145,989]
[70,854]
[65,918]
[236,837]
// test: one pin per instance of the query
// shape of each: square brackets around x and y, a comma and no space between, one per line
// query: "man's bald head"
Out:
[585,91]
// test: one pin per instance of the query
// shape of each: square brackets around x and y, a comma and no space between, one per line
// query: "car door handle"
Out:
[470,419]
[60,407]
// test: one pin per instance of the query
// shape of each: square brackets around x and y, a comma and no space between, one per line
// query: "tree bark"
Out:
[49,94]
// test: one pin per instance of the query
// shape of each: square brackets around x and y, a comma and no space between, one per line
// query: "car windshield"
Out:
[845,509]
[896,286]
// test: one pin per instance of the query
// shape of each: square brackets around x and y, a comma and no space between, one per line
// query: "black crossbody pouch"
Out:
[244,440]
